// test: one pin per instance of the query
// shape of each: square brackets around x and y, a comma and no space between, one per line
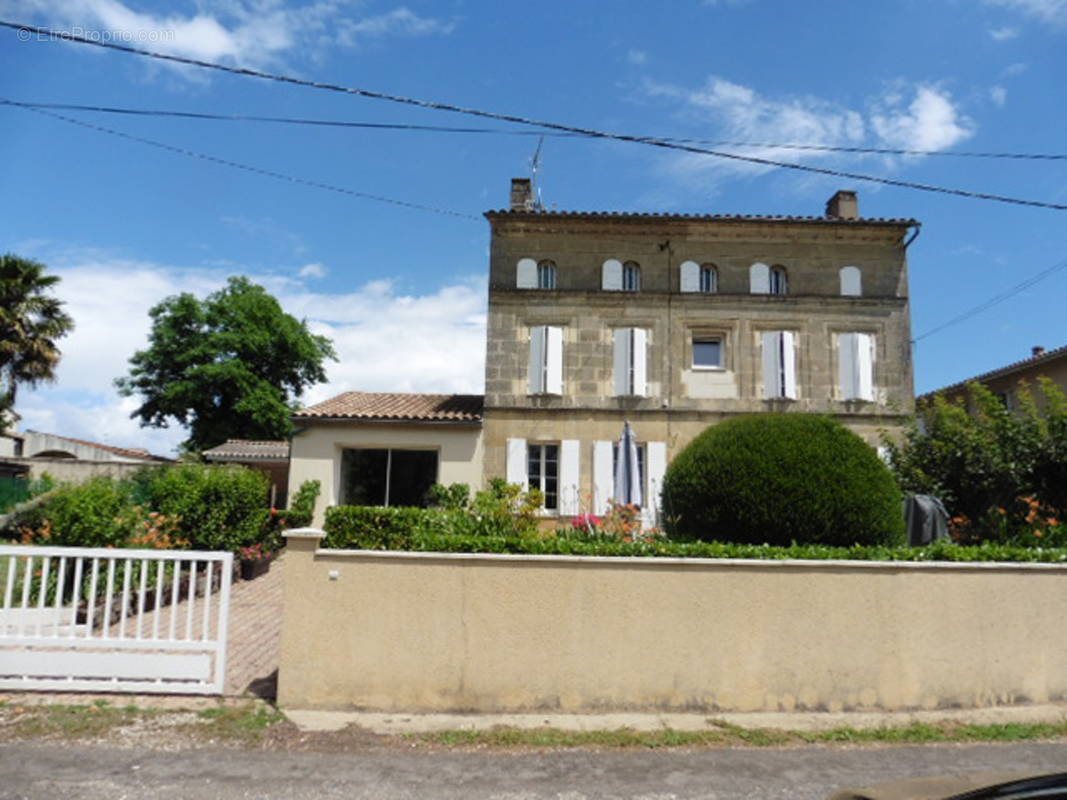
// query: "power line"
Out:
[238,165]
[591,132]
[396,126]
[995,300]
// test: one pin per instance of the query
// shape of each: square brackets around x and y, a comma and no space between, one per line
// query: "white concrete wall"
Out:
[315,453]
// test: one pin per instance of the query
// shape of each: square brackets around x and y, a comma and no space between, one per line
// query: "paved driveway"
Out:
[255,634]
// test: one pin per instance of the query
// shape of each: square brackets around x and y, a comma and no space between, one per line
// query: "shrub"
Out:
[378,528]
[87,515]
[302,505]
[781,478]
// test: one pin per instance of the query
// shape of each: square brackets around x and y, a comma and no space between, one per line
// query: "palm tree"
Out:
[31,320]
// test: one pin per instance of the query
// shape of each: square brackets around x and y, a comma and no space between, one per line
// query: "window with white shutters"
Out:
[630,353]
[851,282]
[526,274]
[855,362]
[779,283]
[611,276]
[546,275]
[759,279]
[542,472]
[545,367]
[631,277]
[779,365]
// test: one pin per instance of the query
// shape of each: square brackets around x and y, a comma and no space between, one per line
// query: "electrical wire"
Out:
[591,132]
[247,167]
[995,300]
[396,126]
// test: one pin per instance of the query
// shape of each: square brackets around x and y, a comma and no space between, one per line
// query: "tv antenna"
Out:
[535,169]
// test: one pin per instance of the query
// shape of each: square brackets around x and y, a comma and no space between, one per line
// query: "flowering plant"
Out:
[254,552]
[622,522]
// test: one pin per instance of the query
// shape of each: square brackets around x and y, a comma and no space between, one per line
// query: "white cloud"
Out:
[637,57]
[386,341]
[929,122]
[999,96]
[244,32]
[1049,11]
[1003,34]
[312,271]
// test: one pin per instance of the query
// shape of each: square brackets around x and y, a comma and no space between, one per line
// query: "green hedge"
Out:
[781,478]
[377,528]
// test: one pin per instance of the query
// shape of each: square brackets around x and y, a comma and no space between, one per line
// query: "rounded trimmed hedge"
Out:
[782,478]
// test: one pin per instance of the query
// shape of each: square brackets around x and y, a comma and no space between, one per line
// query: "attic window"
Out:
[546,275]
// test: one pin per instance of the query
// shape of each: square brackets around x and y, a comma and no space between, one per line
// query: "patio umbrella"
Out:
[627,469]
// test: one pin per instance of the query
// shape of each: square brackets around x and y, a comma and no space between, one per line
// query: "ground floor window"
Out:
[386,477]
[542,471]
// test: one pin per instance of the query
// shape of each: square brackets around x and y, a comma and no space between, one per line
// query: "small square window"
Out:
[707,352]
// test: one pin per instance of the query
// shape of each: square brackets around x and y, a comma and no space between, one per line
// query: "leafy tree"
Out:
[31,320]
[227,366]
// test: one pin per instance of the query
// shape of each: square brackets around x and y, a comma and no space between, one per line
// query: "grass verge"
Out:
[723,734]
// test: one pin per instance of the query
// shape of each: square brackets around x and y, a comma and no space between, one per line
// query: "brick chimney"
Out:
[521,194]
[1037,351]
[843,205]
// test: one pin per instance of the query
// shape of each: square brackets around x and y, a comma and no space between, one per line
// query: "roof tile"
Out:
[393,406]
[248,449]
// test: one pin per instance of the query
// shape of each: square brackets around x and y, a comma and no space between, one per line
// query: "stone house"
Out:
[673,322]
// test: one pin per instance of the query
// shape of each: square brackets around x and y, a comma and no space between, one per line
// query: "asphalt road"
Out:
[110,773]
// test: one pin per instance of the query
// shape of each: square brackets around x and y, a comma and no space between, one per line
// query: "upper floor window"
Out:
[699,277]
[855,366]
[631,277]
[767,280]
[779,365]
[546,274]
[707,352]
[630,365]
[545,368]
[851,282]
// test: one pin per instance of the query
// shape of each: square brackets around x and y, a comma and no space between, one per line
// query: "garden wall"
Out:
[456,632]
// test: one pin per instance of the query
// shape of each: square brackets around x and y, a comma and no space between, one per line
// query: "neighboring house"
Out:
[673,322]
[269,457]
[66,458]
[1004,382]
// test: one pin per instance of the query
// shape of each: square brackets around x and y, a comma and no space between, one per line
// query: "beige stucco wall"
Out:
[315,453]
[434,632]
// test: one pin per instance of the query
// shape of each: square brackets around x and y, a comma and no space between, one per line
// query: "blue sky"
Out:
[402,291]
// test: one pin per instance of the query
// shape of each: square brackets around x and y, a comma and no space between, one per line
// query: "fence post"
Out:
[300,547]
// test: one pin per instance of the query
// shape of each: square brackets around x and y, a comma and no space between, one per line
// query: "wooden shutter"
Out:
[639,356]
[864,366]
[846,365]
[516,463]
[690,277]
[851,282]
[656,467]
[611,278]
[622,361]
[789,364]
[526,274]
[536,367]
[569,497]
[759,279]
[771,372]
[553,360]
[603,476]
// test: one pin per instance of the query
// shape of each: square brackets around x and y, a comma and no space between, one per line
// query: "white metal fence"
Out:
[103,620]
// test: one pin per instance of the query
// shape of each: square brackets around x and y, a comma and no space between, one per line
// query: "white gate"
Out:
[104,620]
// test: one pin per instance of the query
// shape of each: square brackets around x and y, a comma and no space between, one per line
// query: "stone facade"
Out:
[678,399]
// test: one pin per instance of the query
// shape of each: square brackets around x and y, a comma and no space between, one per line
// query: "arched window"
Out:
[709,278]
[631,277]
[546,274]
[851,282]
[779,283]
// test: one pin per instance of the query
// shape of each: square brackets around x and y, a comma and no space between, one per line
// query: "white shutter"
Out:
[846,365]
[611,278]
[864,366]
[516,463]
[759,279]
[640,356]
[789,364]
[851,282]
[536,367]
[553,360]
[603,476]
[656,467]
[771,372]
[569,496]
[526,274]
[622,361]
[690,277]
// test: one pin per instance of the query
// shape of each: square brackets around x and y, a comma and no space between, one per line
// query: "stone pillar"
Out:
[301,545]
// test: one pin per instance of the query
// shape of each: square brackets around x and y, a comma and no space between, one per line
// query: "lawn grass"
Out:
[722,734]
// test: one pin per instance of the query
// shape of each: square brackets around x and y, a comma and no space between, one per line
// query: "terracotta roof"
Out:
[630,215]
[248,449]
[128,452]
[391,406]
[1026,363]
